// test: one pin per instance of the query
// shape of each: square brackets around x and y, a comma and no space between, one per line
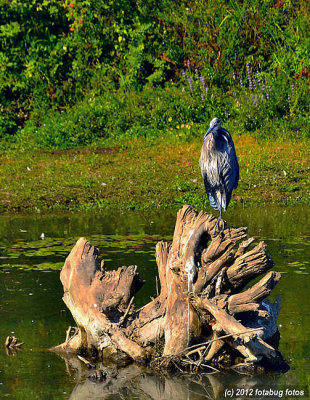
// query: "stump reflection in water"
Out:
[132,382]
[218,324]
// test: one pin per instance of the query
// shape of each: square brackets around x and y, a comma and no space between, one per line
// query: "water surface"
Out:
[31,306]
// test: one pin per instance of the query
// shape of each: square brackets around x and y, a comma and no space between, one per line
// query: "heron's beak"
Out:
[208,131]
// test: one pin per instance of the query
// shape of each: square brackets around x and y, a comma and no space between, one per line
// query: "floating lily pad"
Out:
[295,264]
[50,253]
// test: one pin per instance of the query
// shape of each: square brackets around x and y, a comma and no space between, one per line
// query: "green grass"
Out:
[141,175]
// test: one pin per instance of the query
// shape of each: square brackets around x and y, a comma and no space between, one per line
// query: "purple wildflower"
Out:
[183,72]
[253,99]
[260,83]
[248,71]
[190,83]
[188,63]
[241,82]
[202,81]
[293,88]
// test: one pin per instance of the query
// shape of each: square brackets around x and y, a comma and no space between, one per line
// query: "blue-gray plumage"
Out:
[219,166]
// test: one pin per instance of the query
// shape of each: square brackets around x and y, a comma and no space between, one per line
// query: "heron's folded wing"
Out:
[229,170]
[210,193]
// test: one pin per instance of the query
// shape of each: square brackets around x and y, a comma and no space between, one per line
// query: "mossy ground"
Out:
[141,174]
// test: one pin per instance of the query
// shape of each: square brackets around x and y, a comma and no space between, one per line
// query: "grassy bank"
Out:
[142,174]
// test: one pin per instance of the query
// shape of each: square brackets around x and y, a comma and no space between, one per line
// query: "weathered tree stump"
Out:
[204,315]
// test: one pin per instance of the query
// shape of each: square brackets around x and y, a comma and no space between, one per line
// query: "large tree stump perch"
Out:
[201,277]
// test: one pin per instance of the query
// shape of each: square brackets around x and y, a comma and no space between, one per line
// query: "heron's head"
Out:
[215,123]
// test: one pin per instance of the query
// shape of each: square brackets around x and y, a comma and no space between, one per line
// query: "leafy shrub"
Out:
[129,54]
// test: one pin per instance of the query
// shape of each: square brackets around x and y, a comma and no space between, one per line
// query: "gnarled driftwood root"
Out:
[214,313]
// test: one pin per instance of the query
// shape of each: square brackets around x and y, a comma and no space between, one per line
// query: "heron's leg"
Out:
[218,221]
[222,221]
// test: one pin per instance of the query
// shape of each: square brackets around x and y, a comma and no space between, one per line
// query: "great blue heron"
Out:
[219,166]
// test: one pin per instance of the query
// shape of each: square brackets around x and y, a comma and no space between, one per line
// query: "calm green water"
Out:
[31,307]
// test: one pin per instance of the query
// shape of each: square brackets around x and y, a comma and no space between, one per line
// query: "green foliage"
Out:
[55,55]
[80,125]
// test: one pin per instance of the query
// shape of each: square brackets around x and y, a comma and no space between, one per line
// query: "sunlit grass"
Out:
[140,174]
